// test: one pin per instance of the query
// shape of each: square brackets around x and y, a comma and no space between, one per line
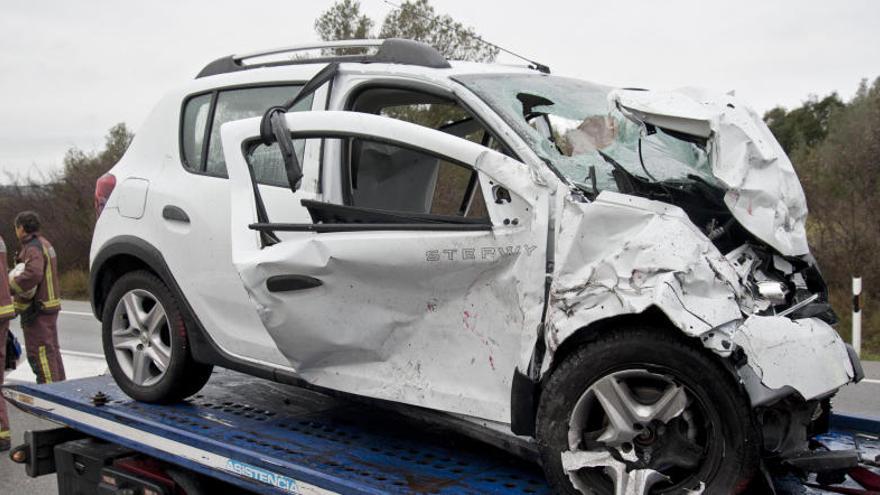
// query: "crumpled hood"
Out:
[763,190]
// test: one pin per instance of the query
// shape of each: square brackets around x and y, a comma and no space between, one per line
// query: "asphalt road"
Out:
[79,333]
[78,330]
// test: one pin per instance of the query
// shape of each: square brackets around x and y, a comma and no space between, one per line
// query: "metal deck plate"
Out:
[273,438]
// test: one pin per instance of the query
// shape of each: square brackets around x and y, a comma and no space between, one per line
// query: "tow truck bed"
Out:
[269,438]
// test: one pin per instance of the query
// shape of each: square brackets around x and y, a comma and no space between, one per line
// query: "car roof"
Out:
[392,57]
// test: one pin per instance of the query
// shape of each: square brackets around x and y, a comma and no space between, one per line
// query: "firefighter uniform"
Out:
[39,314]
[7,312]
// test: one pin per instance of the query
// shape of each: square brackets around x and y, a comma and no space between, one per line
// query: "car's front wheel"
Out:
[642,411]
[145,342]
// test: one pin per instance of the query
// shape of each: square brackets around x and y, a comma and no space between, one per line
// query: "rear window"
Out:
[195,120]
[202,149]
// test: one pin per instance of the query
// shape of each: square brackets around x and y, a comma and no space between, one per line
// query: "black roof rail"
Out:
[388,51]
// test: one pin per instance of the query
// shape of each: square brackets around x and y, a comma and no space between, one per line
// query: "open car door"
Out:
[396,303]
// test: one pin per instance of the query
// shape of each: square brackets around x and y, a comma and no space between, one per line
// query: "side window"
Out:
[195,120]
[229,105]
[458,193]
[268,164]
[389,177]
[427,110]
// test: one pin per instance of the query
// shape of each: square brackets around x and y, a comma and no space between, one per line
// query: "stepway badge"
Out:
[278,481]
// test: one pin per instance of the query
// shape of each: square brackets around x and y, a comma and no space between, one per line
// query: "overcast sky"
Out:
[69,70]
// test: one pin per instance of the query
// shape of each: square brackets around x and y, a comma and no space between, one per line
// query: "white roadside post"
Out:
[857,315]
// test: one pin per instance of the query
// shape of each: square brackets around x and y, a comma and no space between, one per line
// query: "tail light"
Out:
[103,187]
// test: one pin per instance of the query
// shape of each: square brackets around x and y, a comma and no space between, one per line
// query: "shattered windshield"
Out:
[571,124]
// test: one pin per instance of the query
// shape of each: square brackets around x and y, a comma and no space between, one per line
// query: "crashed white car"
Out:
[619,278]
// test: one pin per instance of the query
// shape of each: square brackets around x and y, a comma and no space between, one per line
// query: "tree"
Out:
[805,126]
[418,21]
[842,180]
[344,21]
[414,19]
[834,146]
[65,201]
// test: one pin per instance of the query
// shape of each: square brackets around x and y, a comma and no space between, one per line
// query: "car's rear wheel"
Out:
[641,411]
[145,342]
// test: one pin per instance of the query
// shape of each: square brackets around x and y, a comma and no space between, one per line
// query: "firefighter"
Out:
[7,312]
[36,298]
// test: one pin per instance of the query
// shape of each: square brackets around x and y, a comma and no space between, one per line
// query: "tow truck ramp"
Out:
[263,437]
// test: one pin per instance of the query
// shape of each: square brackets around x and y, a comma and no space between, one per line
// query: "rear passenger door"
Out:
[193,212]
[419,288]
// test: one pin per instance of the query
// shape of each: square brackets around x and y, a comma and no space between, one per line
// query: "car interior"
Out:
[390,183]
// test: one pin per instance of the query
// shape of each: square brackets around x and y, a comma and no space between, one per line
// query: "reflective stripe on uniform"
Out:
[7,310]
[44,362]
[51,298]
[4,434]
[21,306]
[51,303]
[15,287]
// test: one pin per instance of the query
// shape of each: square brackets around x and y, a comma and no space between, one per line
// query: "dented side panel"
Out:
[622,254]
[429,318]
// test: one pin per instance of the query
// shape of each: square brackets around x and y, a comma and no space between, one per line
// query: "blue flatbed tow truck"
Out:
[246,435]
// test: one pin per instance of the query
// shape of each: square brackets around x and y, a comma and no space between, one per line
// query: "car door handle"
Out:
[287,283]
[175,214]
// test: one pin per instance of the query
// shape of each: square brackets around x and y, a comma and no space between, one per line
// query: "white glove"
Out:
[16,271]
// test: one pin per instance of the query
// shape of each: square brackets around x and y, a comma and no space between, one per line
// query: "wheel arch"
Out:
[125,253]
[652,316]
[121,255]
[526,392]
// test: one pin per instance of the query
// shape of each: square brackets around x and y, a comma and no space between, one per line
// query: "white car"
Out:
[619,278]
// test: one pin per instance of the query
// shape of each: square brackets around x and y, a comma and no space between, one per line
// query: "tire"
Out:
[713,433]
[138,347]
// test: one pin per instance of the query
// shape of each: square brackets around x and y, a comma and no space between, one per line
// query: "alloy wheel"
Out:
[640,430]
[141,337]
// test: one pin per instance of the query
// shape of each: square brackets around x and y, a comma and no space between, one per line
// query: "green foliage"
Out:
[804,126]
[418,21]
[415,19]
[344,21]
[65,200]
[75,284]
[433,115]
[835,147]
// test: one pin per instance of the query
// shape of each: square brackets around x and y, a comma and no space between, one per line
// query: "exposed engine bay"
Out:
[776,285]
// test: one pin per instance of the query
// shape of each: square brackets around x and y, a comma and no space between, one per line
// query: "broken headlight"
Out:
[772,291]
[775,285]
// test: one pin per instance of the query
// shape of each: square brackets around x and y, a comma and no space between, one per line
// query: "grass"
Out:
[870,323]
[870,356]
[75,285]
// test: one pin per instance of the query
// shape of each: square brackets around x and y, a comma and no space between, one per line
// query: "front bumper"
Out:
[806,356]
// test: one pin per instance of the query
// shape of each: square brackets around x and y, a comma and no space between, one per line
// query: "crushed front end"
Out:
[785,351]
[683,203]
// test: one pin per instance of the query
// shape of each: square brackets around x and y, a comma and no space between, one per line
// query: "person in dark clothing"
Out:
[36,298]
[7,312]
